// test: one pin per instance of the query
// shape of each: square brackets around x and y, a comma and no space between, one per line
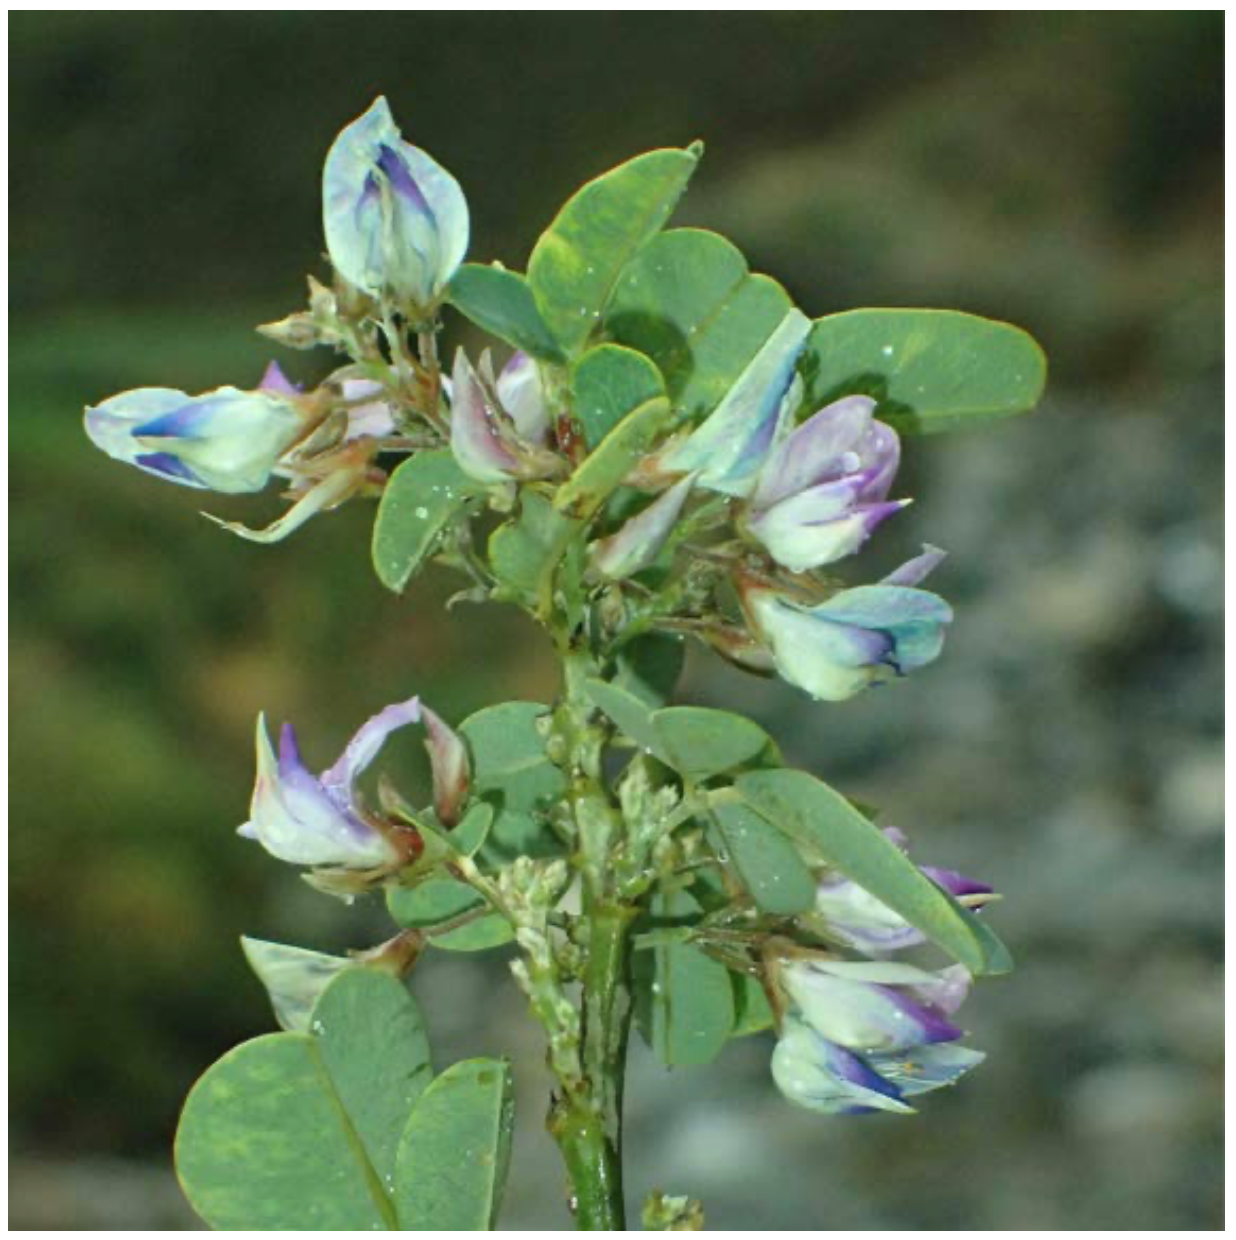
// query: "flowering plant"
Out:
[671,450]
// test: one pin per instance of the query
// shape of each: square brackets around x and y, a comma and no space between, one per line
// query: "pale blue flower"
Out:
[856,638]
[226,440]
[821,1076]
[396,221]
[867,1034]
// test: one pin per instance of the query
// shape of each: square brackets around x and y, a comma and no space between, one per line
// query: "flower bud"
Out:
[396,221]
[638,543]
[727,450]
[226,440]
[448,759]
[319,325]
[295,331]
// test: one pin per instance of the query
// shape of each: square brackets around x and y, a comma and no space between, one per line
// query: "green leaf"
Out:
[470,834]
[701,742]
[754,1014]
[824,824]
[629,712]
[431,902]
[524,552]
[422,496]
[511,770]
[685,1004]
[606,384]
[767,862]
[690,303]
[376,1050]
[579,257]
[241,1152]
[600,473]
[477,936]
[299,1131]
[455,1151]
[650,665]
[500,302]
[930,370]
[438,900]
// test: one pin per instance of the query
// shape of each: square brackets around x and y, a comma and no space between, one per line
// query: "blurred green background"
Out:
[1060,170]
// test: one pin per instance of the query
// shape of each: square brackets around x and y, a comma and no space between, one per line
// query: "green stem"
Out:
[594,1168]
[588,1124]
[586,1119]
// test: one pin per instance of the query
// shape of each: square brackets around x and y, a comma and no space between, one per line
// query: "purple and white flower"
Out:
[856,638]
[320,820]
[226,440]
[868,1034]
[396,221]
[813,493]
[823,489]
